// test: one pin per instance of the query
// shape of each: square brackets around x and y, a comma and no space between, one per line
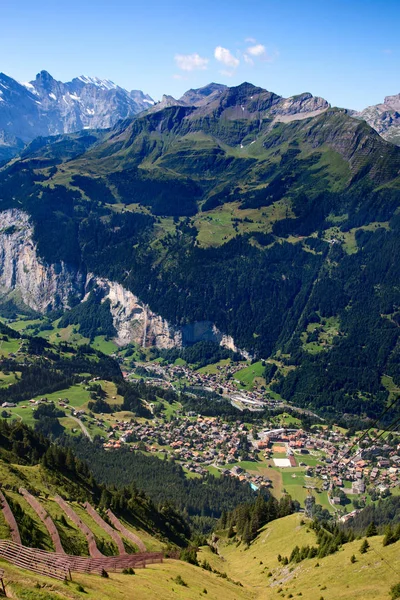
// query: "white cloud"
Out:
[224,56]
[257,50]
[248,60]
[191,62]
[250,40]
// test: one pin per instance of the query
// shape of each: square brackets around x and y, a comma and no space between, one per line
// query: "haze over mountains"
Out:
[46,106]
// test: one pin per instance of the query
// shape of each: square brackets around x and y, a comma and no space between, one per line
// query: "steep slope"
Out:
[384,118]
[60,484]
[47,107]
[257,567]
[250,212]
[238,572]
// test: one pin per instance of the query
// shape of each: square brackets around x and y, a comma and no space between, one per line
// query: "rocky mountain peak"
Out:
[203,95]
[384,118]
[43,78]
[45,106]
[393,102]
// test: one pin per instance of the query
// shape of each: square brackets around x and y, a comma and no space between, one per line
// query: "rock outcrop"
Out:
[384,118]
[133,320]
[46,287]
[41,287]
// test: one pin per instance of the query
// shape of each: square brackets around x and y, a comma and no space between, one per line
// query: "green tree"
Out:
[371,530]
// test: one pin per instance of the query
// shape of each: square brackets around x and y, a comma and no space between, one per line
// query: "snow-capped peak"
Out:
[105,84]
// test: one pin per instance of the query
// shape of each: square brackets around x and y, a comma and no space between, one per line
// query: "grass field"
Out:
[247,375]
[46,542]
[4,528]
[105,346]
[336,578]
[9,347]
[213,369]
[97,531]
[9,378]
[161,581]
[78,398]
[170,410]
[72,538]
[219,225]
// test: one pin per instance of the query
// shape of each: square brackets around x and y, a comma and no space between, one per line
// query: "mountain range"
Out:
[46,106]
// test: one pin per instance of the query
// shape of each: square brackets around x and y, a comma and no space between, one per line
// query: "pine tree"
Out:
[364,546]
[389,536]
[371,530]
[246,535]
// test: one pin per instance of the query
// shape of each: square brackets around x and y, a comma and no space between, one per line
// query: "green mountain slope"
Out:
[268,221]
[257,567]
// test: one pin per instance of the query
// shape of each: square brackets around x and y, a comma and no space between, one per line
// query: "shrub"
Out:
[178,579]
[395,591]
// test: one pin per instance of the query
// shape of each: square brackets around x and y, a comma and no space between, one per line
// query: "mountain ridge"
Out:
[45,106]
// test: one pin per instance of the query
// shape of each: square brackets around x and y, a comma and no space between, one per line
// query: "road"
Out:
[82,426]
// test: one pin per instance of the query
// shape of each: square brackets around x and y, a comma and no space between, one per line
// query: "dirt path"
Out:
[82,426]
[111,532]
[10,519]
[128,534]
[93,549]
[45,518]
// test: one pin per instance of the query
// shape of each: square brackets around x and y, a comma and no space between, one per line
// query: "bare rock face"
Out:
[45,287]
[384,118]
[41,287]
[299,107]
[133,320]
[46,107]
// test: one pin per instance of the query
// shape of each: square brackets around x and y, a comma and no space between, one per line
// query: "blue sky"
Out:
[347,51]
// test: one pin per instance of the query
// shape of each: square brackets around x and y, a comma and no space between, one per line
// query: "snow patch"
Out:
[53,96]
[105,84]
[30,87]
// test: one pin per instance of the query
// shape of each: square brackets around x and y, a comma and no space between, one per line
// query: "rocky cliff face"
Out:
[46,106]
[134,321]
[384,118]
[43,287]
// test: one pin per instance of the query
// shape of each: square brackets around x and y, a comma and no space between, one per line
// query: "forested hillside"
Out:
[268,229]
